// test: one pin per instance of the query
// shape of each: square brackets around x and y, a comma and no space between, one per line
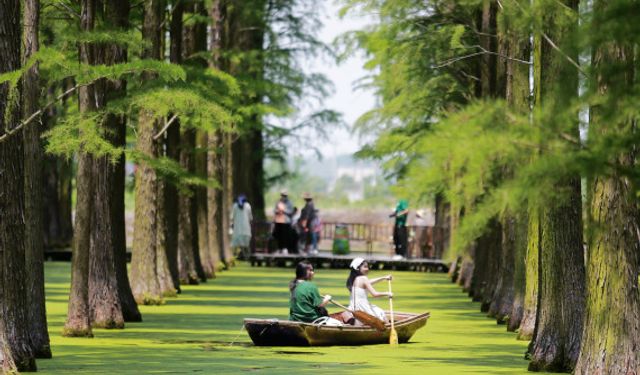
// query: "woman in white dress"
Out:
[360,286]
[241,217]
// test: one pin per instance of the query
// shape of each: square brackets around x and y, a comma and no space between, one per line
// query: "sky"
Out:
[351,102]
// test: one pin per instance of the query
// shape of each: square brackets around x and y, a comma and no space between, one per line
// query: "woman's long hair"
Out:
[302,269]
[352,277]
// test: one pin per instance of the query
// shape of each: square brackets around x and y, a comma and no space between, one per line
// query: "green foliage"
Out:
[490,156]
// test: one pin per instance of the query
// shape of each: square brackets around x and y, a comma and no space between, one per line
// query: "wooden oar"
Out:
[365,318]
[393,335]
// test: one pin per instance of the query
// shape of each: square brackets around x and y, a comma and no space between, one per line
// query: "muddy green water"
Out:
[201,331]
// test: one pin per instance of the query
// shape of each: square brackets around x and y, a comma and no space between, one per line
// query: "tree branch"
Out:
[166,126]
[9,132]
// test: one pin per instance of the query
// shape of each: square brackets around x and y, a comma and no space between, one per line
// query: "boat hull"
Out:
[274,332]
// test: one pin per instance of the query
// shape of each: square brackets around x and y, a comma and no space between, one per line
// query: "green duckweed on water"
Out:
[200,331]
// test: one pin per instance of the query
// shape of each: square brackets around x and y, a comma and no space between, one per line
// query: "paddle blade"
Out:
[369,320]
[393,337]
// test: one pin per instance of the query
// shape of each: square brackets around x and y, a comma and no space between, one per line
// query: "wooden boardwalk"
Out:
[325,259]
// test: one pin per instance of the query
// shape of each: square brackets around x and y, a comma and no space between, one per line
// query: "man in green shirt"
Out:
[305,298]
[400,228]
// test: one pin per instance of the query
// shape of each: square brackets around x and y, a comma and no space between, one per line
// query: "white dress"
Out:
[359,301]
[241,219]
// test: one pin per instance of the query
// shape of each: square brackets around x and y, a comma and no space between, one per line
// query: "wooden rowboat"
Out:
[274,332]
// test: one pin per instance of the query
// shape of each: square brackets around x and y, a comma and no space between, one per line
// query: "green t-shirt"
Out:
[401,220]
[303,307]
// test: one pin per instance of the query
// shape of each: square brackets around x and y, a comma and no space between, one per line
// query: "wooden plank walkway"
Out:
[327,260]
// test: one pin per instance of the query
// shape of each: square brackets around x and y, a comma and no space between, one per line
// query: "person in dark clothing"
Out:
[282,214]
[307,215]
[400,237]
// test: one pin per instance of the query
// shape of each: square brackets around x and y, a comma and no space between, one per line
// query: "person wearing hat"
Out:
[282,214]
[307,215]
[360,287]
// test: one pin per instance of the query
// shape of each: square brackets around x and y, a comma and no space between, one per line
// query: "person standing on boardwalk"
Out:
[307,216]
[316,230]
[241,218]
[306,304]
[400,228]
[282,214]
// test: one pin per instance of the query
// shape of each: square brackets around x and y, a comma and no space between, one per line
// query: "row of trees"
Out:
[189,91]
[520,118]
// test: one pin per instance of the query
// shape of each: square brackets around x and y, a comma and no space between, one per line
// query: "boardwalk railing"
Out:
[369,238]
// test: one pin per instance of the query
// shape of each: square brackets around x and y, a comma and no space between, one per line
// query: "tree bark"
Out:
[528,323]
[611,337]
[186,262]
[117,15]
[16,348]
[504,294]
[33,172]
[144,260]
[491,240]
[561,298]
[519,273]
[518,97]
[172,144]
[78,316]
[207,270]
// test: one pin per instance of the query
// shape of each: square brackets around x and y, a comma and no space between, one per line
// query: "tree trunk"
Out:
[186,262]
[171,207]
[519,274]
[104,301]
[16,348]
[78,316]
[528,323]
[206,269]
[117,15]
[561,296]
[504,294]
[165,281]
[611,339]
[33,172]
[492,241]
[214,139]
[519,98]
[144,260]
[172,144]
[227,199]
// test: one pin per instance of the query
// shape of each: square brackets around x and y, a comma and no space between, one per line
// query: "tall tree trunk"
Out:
[528,323]
[78,316]
[207,266]
[611,339]
[144,260]
[33,160]
[16,348]
[558,333]
[227,199]
[492,241]
[504,294]
[163,274]
[186,261]
[117,15]
[519,99]
[172,150]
